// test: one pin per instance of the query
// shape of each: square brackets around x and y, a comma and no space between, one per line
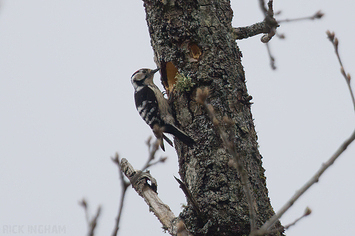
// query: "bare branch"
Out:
[301,191]
[201,97]
[249,31]
[152,148]
[139,181]
[189,197]
[271,22]
[267,27]
[269,15]
[315,178]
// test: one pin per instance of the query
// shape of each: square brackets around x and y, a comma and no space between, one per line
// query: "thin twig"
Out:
[92,223]
[152,149]
[201,97]
[153,163]
[269,17]
[124,186]
[84,204]
[334,40]
[263,7]
[271,57]
[307,212]
[317,15]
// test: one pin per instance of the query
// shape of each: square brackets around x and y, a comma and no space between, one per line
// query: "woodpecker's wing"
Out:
[147,106]
[158,114]
[163,105]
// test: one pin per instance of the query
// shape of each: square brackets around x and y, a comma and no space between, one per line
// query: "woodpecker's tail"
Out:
[168,140]
[161,142]
[158,132]
[181,135]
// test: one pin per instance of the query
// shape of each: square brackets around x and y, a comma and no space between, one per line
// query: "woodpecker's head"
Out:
[143,77]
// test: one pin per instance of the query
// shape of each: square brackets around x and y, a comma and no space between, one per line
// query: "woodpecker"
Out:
[154,108]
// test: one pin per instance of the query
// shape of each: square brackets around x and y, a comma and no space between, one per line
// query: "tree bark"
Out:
[194,40]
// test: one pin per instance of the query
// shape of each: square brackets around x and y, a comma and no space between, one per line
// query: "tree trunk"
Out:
[193,39]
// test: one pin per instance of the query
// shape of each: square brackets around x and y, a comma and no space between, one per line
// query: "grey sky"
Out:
[67,106]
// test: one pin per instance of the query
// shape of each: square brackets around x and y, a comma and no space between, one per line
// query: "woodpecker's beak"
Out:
[155,71]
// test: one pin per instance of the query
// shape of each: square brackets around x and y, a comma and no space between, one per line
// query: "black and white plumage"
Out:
[154,108]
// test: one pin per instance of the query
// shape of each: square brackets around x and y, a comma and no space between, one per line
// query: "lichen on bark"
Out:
[215,62]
